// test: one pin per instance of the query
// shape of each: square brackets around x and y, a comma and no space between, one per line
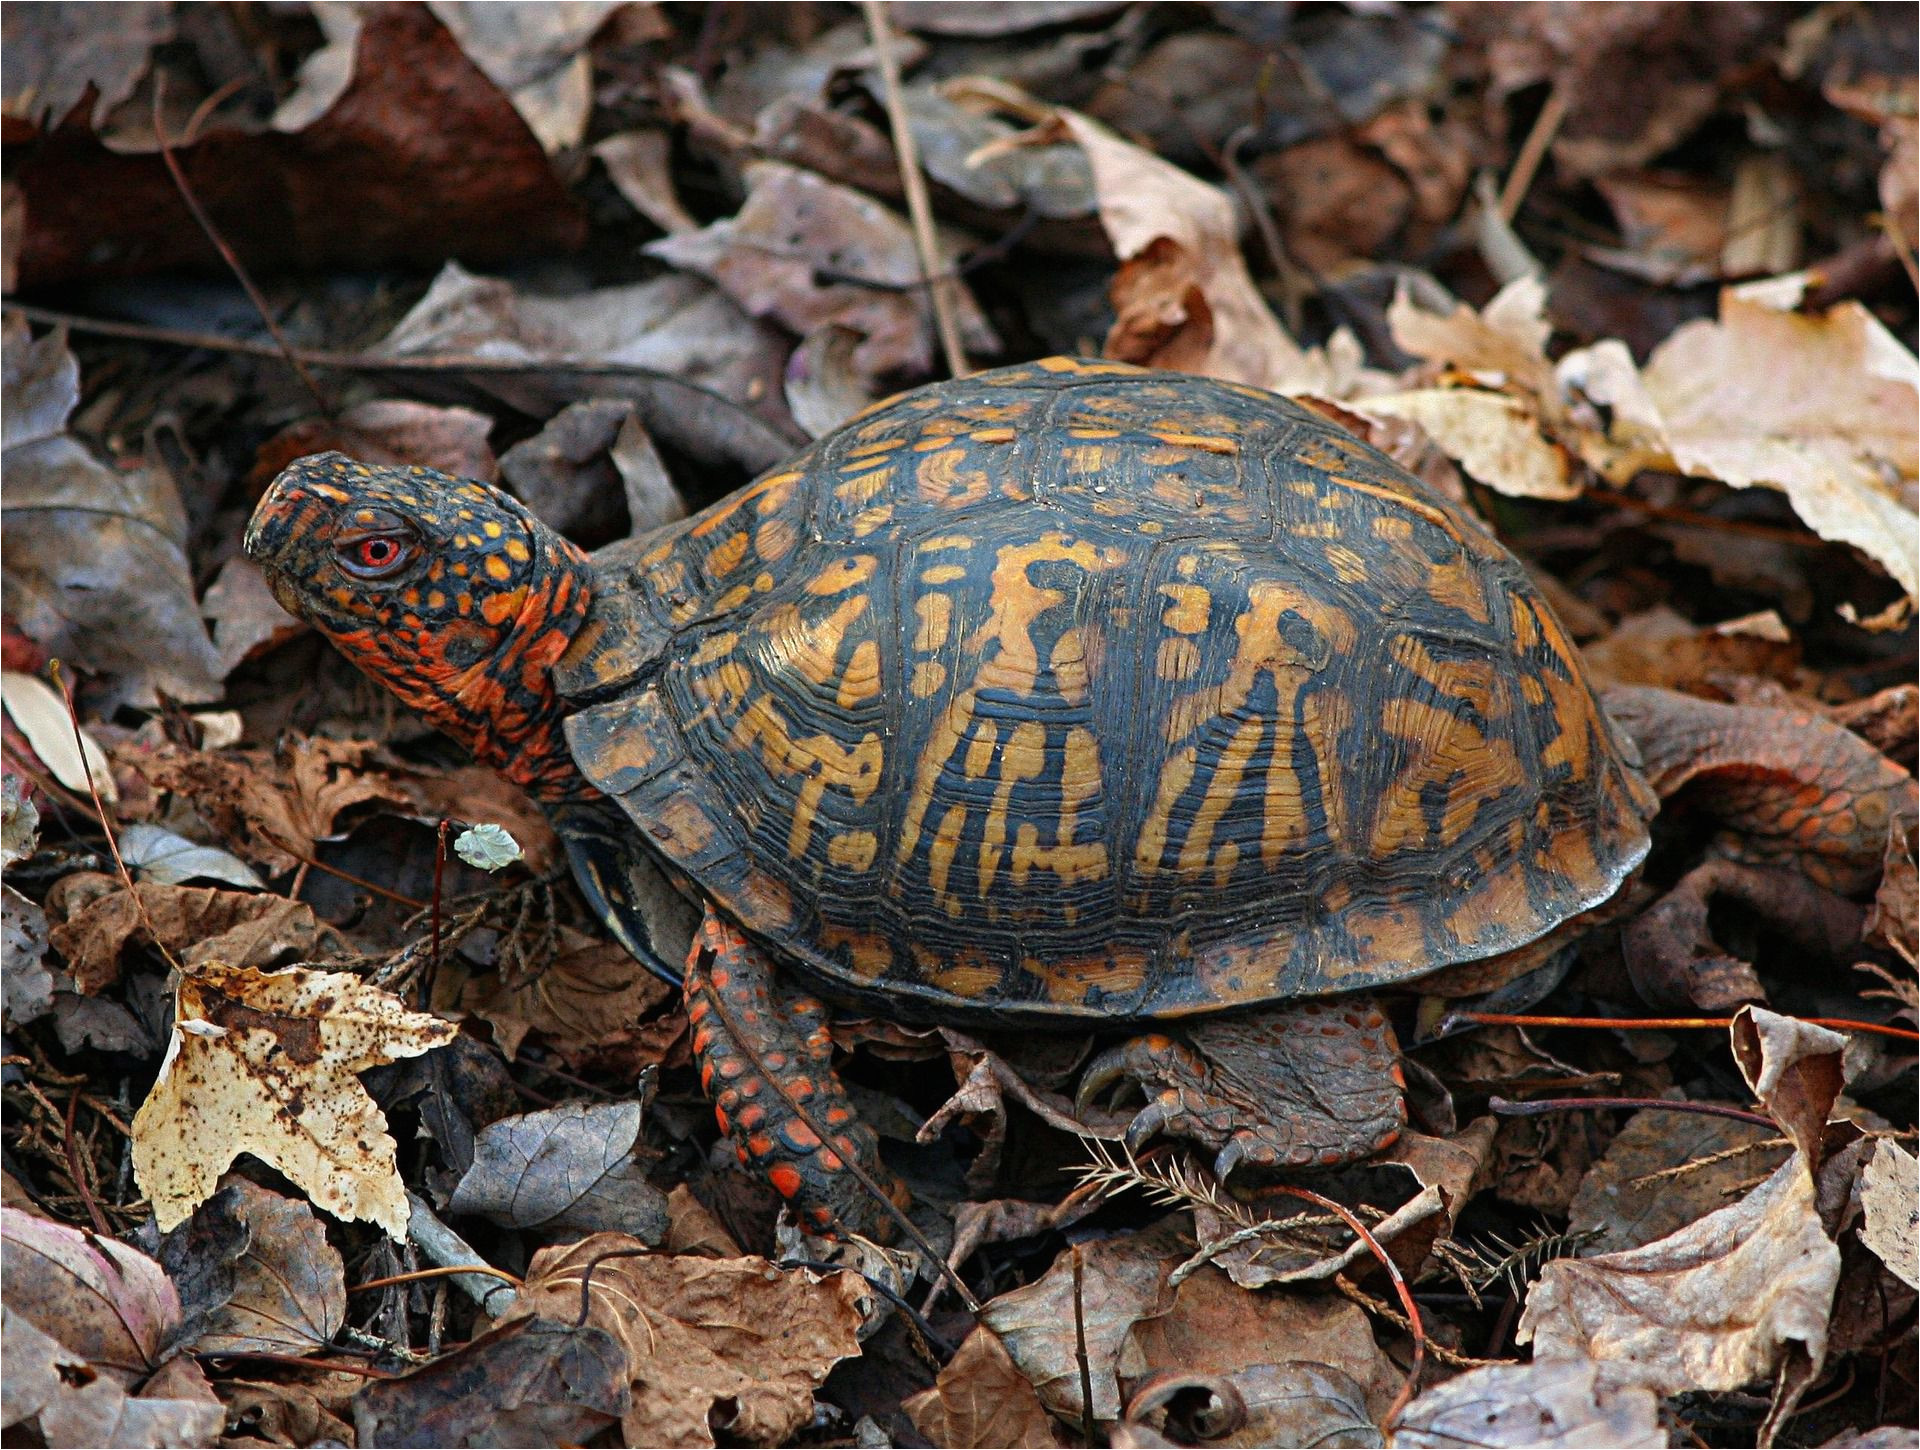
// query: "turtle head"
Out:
[448,592]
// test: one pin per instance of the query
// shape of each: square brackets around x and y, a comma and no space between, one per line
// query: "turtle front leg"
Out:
[1315,1084]
[737,1015]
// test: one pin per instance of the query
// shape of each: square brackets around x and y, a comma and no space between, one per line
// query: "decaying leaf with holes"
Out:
[264,1063]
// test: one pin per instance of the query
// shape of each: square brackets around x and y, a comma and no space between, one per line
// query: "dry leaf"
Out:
[565,1170]
[1556,1404]
[537,54]
[982,1399]
[1711,1307]
[1821,407]
[1496,437]
[68,1402]
[589,999]
[1662,1171]
[1888,1190]
[1183,295]
[264,1063]
[256,1274]
[1794,1069]
[42,716]
[733,1345]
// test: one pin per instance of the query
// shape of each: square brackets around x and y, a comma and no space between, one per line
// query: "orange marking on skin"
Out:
[498,568]
[499,608]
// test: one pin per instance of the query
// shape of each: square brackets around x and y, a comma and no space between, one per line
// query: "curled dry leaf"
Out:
[1556,1404]
[733,1345]
[108,1303]
[590,1000]
[69,1402]
[982,1399]
[1664,1170]
[1794,1069]
[1711,1307]
[39,712]
[1183,296]
[264,1063]
[564,1170]
[1887,1194]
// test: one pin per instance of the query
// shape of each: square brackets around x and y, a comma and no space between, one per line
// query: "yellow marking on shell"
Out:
[1348,567]
[944,479]
[824,763]
[1189,608]
[980,753]
[969,977]
[1176,774]
[1570,704]
[1023,757]
[946,843]
[1176,660]
[869,954]
[1070,981]
[1456,585]
[1495,905]
[993,435]
[498,568]
[726,686]
[1071,676]
[328,491]
[716,647]
[1084,431]
[775,539]
[867,520]
[1080,782]
[812,646]
[1016,605]
[1229,768]
[1205,443]
[768,494]
[928,676]
[861,679]
[848,573]
[948,729]
[1087,369]
[945,541]
[881,445]
[492,528]
[935,613]
[726,555]
[1224,860]
[1388,935]
[465,516]
[1443,750]
[656,554]
[853,850]
[1090,459]
[943,573]
[867,486]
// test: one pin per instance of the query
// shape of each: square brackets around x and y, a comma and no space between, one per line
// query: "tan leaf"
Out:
[1183,297]
[1821,407]
[1549,1403]
[588,999]
[1496,437]
[1793,1068]
[1710,1307]
[264,1063]
[982,1399]
[1507,337]
[734,1345]
[1888,1193]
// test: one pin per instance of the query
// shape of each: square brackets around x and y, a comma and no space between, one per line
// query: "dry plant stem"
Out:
[1080,1348]
[940,287]
[1504,1108]
[1663,1024]
[78,1168]
[1532,151]
[298,1361]
[442,1272]
[226,253]
[1452,1358]
[825,1135]
[445,1247]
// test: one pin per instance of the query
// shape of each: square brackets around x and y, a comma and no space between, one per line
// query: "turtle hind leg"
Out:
[1314,1084]
[738,1016]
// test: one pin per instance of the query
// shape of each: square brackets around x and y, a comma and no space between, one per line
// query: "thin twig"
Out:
[227,255]
[1080,1347]
[1503,1108]
[1532,151]
[78,1169]
[1663,1024]
[940,285]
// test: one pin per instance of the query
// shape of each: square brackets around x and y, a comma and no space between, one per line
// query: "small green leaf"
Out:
[487,846]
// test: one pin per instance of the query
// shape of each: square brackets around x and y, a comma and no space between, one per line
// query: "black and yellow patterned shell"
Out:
[1072,691]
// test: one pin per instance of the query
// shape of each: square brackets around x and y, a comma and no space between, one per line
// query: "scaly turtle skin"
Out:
[1066,693]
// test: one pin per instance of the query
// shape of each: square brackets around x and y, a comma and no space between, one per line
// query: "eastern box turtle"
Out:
[1063,694]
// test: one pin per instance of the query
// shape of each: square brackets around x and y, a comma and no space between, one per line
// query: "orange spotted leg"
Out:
[729,987]
[1293,1087]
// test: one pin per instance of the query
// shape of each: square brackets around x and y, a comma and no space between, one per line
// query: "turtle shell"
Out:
[1073,691]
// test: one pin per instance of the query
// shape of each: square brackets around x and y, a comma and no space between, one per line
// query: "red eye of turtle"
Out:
[376,556]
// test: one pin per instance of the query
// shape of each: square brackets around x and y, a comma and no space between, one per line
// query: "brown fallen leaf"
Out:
[256,1274]
[981,1399]
[528,1381]
[734,1346]
[1183,297]
[1557,1404]
[1713,1306]
[537,54]
[795,226]
[388,430]
[590,1001]
[96,919]
[96,569]
[67,1401]
[1794,1069]
[264,1063]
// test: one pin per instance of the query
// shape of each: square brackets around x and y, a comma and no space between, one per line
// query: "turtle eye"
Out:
[376,556]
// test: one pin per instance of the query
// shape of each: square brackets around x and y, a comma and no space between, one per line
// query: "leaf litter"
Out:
[622,257]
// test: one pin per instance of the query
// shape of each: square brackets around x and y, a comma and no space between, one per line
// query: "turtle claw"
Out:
[1100,1074]
[1148,1122]
[1229,1158]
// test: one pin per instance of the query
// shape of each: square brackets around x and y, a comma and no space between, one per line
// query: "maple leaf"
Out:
[264,1063]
